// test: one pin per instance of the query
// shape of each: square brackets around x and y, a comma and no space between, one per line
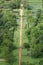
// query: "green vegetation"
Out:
[8,25]
[32,32]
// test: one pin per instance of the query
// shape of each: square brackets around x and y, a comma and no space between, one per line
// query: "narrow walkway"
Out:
[1,59]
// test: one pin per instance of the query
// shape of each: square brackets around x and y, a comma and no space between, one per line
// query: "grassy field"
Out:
[2,63]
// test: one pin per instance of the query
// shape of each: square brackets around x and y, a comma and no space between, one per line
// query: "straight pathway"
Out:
[2,59]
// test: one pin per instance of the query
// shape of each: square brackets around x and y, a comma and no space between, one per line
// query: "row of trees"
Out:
[13,4]
[35,36]
[8,25]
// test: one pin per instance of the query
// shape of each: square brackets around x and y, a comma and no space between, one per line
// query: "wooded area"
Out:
[21,32]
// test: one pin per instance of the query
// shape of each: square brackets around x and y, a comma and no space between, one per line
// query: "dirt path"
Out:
[20,49]
[1,59]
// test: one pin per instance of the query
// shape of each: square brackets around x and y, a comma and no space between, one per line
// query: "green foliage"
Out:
[26,45]
[23,63]
[41,62]
[38,17]
[8,25]
[35,35]
[12,4]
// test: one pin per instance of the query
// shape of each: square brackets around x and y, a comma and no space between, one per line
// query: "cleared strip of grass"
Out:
[2,63]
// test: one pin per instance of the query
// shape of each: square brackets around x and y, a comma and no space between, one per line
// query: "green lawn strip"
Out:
[2,63]
[30,60]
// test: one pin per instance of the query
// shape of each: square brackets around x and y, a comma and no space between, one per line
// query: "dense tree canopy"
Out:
[35,35]
[8,25]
